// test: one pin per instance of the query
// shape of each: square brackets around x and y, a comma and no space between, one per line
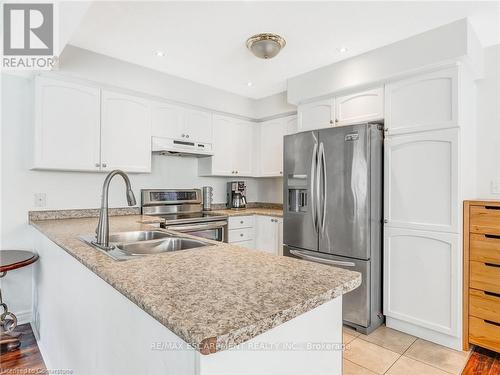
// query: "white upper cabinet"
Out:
[233,148]
[66,126]
[175,122]
[167,121]
[421,180]
[290,125]
[198,125]
[425,102]
[125,133]
[271,147]
[316,115]
[360,107]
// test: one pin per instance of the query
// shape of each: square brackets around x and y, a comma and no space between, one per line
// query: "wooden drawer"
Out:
[484,334]
[485,248]
[236,222]
[485,219]
[484,305]
[242,234]
[485,276]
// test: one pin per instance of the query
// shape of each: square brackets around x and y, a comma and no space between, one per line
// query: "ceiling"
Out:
[205,41]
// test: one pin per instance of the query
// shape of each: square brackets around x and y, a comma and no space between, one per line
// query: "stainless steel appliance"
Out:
[183,212]
[236,194]
[333,209]
[208,193]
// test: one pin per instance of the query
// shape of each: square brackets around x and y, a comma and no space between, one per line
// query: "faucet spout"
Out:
[102,230]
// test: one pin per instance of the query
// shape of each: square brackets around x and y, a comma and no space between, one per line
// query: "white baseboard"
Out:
[425,333]
[24,317]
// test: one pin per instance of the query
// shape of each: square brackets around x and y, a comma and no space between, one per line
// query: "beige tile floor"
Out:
[387,351]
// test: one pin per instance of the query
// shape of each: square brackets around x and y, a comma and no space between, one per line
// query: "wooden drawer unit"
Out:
[484,276]
[481,292]
[484,305]
[485,219]
[484,333]
[236,222]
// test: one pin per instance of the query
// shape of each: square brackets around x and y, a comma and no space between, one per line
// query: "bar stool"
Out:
[11,260]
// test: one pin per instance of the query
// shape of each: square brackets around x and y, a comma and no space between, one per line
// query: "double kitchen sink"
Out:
[129,245]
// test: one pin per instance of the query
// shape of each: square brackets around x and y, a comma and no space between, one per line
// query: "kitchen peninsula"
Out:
[218,309]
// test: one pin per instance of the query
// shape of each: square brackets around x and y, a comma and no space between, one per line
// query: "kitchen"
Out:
[230,128]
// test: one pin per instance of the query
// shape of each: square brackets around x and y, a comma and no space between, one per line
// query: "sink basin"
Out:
[137,236]
[162,246]
[128,245]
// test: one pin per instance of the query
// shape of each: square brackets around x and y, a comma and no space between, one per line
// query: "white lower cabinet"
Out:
[259,232]
[267,229]
[422,279]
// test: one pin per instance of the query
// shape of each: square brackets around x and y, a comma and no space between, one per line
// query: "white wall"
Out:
[488,125]
[75,189]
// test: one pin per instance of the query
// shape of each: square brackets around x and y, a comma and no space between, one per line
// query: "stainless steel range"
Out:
[183,212]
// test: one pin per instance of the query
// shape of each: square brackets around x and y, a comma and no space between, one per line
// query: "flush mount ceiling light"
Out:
[265,45]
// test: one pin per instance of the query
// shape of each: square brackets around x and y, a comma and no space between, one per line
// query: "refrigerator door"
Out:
[345,196]
[300,191]
[356,305]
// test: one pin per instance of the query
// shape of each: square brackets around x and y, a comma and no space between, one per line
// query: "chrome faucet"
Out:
[102,230]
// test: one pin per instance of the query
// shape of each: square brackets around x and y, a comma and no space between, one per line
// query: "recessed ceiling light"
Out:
[159,53]
[249,84]
[343,50]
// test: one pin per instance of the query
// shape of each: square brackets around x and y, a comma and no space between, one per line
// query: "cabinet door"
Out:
[222,160]
[280,236]
[66,126]
[424,102]
[316,115]
[421,180]
[242,147]
[198,126]
[422,278]
[360,107]
[271,148]
[167,121]
[125,133]
[266,234]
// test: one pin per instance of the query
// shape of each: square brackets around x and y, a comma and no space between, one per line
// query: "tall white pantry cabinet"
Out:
[429,148]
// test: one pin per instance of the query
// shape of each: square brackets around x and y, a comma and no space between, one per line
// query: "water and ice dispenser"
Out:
[297,193]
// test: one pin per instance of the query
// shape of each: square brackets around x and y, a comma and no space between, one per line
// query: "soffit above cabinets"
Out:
[205,41]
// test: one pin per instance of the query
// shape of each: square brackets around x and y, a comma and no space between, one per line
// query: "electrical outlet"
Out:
[495,187]
[40,199]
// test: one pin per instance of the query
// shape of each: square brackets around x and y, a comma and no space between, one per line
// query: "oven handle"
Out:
[197,227]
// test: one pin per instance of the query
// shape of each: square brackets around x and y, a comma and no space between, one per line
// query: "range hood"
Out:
[174,147]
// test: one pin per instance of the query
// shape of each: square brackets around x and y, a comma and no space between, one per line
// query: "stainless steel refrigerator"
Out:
[333,209]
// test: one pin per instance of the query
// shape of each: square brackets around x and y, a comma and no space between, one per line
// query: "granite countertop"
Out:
[212,297]
[276,212]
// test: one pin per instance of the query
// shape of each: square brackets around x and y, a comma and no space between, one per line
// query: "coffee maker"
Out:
[236,194]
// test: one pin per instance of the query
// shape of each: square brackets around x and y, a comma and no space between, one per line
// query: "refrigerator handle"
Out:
[312,258]
[314,166]
[322,158]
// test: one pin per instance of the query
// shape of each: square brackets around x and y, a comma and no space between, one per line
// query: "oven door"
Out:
[214,230]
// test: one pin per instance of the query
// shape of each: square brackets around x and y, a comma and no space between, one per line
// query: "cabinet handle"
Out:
[492,236]
[241,222]
[492,207]
[187,135]
[183,135]
[281,172]
[97,165]
[331,121]
[104,165]
[386,221]
[492,265]
[491,322]
[491,294]
[241,234]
